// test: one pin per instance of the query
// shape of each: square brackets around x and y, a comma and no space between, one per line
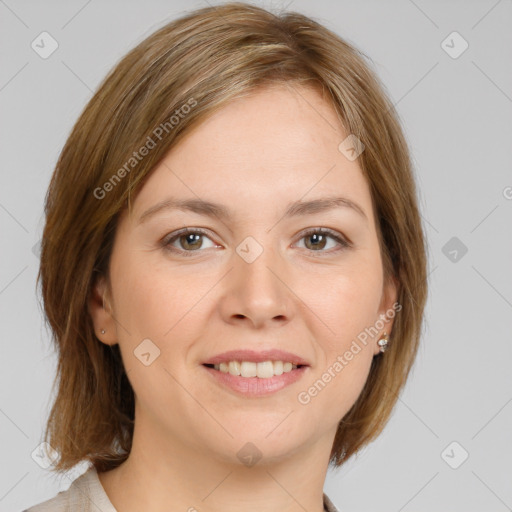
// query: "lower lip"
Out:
[254,386]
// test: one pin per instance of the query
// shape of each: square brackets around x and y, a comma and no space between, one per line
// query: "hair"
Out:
[188,70]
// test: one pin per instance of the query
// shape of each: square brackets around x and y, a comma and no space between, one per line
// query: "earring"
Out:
[102,331]
[383,342]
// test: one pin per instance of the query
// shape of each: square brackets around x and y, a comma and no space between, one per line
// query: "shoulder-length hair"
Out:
[173,80]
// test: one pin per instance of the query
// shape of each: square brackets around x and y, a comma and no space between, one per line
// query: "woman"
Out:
[233,266]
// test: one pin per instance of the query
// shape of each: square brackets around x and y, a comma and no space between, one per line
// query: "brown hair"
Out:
[206,59]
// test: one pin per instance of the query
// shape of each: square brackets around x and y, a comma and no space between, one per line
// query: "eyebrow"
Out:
[210,209]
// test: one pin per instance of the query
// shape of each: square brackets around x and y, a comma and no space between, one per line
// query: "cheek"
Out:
[151,297]
[350,309]
[157,304]
[346,354]
[348,303]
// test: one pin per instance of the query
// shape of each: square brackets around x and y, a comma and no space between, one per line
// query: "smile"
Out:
[262,370]
[249,383]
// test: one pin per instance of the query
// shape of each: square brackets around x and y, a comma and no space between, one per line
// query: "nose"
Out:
[256,293]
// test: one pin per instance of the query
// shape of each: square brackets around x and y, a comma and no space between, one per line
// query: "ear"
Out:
[388,309]
[101,312]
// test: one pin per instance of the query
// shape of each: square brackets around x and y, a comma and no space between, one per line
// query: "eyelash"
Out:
[166,242]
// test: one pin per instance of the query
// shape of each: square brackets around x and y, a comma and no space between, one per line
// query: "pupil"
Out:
[191,238]
[318,240]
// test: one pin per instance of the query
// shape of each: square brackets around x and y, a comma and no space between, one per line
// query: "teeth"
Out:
[263,370]
[234,368]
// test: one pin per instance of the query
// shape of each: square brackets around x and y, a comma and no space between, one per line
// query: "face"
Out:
[308,282]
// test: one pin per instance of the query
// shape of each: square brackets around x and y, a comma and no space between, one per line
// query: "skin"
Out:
[254,156]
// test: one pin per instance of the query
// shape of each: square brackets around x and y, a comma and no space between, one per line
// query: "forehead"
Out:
[275,146]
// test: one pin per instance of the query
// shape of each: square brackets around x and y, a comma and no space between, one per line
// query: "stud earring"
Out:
[383,342]
[102,331]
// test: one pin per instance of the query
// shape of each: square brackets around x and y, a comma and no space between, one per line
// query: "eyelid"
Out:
[166,240]
[342,240]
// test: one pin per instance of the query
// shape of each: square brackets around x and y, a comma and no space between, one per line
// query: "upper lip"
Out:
[257,357]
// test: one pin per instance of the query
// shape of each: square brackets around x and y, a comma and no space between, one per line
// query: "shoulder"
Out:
[77,497]
[329,505]
[59,503]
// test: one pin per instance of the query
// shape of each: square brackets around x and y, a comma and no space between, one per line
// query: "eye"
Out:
[316,239]
[190,240]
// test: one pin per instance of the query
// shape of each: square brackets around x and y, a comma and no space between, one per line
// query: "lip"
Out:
[257,357]
[254,386]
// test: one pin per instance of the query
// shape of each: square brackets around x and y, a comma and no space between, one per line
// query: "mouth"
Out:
[247,370]
[251,385]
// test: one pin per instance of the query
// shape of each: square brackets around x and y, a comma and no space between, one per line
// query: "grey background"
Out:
[457,115]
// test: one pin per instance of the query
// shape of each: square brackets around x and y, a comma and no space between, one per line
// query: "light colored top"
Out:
[86,494]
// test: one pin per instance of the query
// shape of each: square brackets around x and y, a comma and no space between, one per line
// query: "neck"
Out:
[164,472]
